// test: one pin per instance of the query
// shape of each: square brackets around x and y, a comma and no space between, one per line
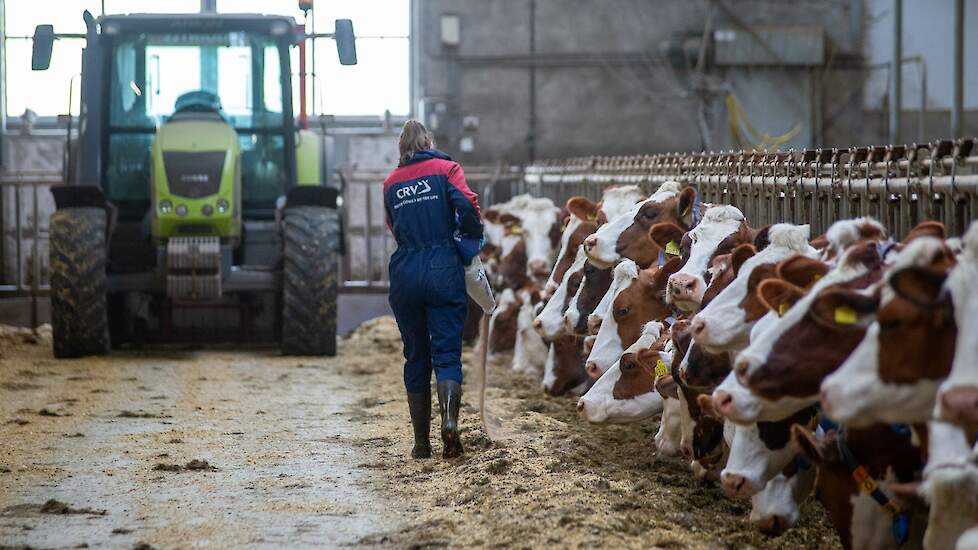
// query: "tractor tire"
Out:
[311,238]
[79,309]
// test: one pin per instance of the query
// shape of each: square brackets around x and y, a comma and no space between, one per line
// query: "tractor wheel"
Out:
[311,248]
[79,312]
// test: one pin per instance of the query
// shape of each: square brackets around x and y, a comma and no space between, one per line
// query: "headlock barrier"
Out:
[900,185]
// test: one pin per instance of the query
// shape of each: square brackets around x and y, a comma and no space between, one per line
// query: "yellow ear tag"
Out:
[845,315]
[516,230]
[672,248]
[660,368]
[782,308]
[566,223]
[592,217]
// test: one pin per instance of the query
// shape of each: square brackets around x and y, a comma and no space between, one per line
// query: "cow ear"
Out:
[664,233]
[667,387]
[918,284]
[740,255]
[583,208]
[491,215]
[808,444]
[686,203]
[778,295]
[841,308]
[761,238]
[647,356]
[681,339]
[820,242]
[926,229]
[508,219]
[663,273]
[802,271]
[705,403]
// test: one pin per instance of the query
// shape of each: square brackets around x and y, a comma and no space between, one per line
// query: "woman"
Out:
[431,211]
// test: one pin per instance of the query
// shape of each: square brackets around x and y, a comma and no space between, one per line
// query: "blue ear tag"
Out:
[662,258]
[901,527]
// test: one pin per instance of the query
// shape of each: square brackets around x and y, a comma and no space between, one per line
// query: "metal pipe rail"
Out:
[900,185]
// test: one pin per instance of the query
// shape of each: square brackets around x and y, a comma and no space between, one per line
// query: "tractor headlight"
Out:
[166,207]
[181,210]
[222,206]
[207,210]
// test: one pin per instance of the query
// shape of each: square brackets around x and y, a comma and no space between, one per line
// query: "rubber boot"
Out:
[449,400]
[420,407]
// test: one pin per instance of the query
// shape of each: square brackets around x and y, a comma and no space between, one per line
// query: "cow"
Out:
[564,368]
[958,395]
[581,221]
[724,324]
[638,299]
[538,222]
[593,288]
[627,235]
[503,322]
[880,453]
[802,339]
[893,373]
[950,484]
[778,505]
[530,350]
[626,392]
[721,230]
[550,322]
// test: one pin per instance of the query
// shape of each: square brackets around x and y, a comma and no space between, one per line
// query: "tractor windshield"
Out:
[236,74]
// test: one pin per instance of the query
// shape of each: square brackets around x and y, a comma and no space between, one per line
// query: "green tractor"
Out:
[195,206]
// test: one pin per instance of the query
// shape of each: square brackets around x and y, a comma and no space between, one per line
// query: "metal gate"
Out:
[900,185]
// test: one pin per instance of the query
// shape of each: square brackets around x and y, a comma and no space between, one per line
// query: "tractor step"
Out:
[193,268]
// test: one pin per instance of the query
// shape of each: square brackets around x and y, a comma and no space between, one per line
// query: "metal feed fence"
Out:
[900,185]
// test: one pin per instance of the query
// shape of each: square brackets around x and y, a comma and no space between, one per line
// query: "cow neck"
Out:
[866,483]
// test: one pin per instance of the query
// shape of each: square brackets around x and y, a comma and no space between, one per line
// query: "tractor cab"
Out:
[214,202]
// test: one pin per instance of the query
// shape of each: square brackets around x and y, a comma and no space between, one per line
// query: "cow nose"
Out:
[960,405]
[538,267]
[682,286]
[590,242]
[706,405]
[593,325]
[538,323]
[733,484]
[771,525]
[592,370]
[722,402]
[580,407]
[588,344]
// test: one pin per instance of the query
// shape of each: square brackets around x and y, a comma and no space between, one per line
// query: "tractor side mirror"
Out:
[43,44]
[346,42]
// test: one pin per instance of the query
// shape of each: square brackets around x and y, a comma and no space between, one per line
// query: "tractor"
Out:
[195,206]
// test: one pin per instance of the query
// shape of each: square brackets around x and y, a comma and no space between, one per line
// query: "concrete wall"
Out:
[604,84]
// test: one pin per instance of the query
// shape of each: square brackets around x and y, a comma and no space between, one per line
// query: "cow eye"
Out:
[651,214]
[621,312]
[627,365]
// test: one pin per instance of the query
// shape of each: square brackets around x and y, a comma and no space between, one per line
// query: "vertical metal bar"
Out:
[35,260]
[922,131]
[368,223]
[896,70]
[20,236]
[957,109]
[531,138]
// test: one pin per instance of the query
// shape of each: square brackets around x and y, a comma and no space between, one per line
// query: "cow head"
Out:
[636,302]
[720,231]
[627,235]
[725,324]
[564,370]
[540,222]
[530,351]
[626,393]
[581,221]
[502,324]
[550,322]
[894,372]
[595,285]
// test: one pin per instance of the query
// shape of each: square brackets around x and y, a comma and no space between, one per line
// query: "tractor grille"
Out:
[194,174]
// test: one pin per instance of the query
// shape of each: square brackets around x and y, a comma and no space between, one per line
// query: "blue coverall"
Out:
[428,206]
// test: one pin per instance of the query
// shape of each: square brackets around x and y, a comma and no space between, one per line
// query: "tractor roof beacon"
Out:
[194,206]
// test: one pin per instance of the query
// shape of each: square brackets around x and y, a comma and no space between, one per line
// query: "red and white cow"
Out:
[725,324]
[627,235]
[564,369]
[626,393]
[596,283]
[894,373]
[638,299]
